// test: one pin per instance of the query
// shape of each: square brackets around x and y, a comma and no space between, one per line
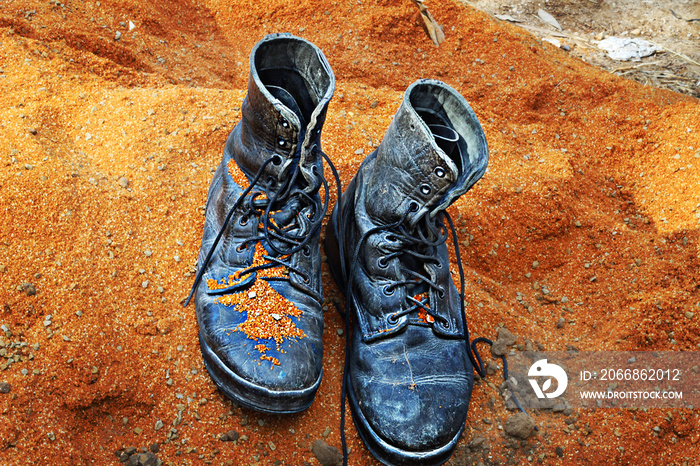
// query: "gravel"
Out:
[326,454]
[520,425]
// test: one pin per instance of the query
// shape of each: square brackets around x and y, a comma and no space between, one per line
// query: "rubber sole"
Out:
[253,396]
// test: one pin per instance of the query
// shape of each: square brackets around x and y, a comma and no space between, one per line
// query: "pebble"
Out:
[176,258]
[123,182]
[230,436]
[520,425]
[144,284]
[507,336]
[326,432]
[5,387]
[147,253]
[561,322]
[29,289]
[689,315]
[325,454]
[159,425]
[117,35]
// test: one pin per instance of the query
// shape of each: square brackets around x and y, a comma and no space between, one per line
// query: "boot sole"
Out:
[384,452]
[254,396]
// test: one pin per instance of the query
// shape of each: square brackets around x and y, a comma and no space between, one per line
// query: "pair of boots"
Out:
[258,294]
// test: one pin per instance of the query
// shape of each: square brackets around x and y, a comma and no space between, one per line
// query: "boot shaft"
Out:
[433,152]
[289,88]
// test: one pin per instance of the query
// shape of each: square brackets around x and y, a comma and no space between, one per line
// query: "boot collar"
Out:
[292,128]
[413,172]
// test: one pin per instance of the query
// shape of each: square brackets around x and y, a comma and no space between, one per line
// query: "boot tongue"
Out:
[288,100]
[446,138]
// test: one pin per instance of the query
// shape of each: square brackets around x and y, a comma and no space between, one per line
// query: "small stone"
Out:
[689,315]
[138,430]
[29,289]
[144,284]
[252,295]
[535,264]
[325,454]
[276,316]
[159,425]
[117,35]
[359,151]
[561,322]
[559,451]
[271,445]
[507,336]
[148,253]
[176,258]
[520,425]
[164,326]
[499,348]
[4,387]
[123,182]
[326,432]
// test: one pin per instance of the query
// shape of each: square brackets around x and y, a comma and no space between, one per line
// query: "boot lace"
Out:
[283,239]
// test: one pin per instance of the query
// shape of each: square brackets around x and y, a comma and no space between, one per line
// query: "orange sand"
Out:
[108,148]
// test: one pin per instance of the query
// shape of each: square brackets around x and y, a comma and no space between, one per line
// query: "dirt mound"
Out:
[113,117]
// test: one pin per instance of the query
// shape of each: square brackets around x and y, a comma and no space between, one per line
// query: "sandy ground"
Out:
[109,137]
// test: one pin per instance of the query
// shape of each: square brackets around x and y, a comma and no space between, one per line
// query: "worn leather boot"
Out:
[257,292]
[408,372]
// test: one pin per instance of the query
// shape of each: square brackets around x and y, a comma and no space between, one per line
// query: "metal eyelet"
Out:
[306,279]
[382,263]
[389,290]
[284,123]
[425,189]
[413,206]
[412,127]
[392,319]
[243,221]
[440,172]
[277,159]
[306,251]
[241,248]
[281,141]
[441,293]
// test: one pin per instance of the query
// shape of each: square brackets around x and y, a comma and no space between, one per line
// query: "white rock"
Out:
[628,49]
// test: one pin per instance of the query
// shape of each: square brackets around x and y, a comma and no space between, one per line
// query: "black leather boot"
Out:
[257,292]
[409,374]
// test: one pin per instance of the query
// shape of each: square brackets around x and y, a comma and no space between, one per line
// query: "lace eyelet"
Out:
[306,279]
[382,263]
[441,293]
[440,172]
[392,319]
[306,251]
[243,221]
[277,159]
[413,206]
[412,127]
[425,189]
[241,248]
[281,141]
[392,238]
[284,122]
[388,290]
